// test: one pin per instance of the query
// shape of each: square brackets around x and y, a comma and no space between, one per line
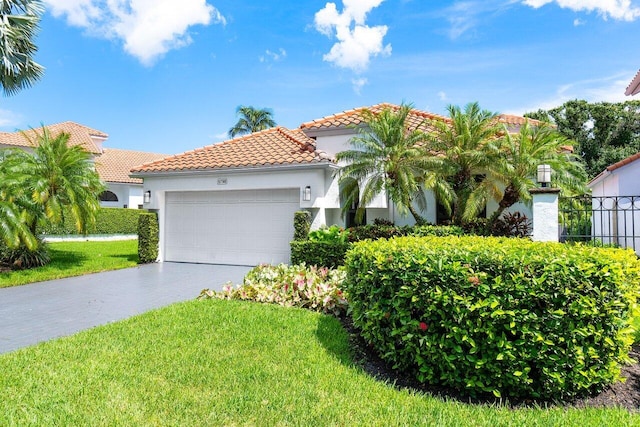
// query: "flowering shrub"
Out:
[313,288]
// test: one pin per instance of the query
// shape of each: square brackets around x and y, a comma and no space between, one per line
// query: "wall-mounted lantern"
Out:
[544,175]
[147,196]
[306,194]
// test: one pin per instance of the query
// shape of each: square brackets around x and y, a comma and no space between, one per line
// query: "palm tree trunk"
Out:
[509,199]
[416,216]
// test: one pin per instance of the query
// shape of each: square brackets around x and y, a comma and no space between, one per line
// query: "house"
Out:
[615,217]
[634,86]
[233,202]
[113,165]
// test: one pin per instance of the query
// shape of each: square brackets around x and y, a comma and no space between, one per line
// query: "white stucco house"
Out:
[233,202]
[113,165]
[616,203]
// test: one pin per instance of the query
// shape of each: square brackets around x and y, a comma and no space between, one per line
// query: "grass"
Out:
[75,259]
[231,363]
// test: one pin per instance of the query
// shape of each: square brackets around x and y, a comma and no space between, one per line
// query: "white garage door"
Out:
[246,227]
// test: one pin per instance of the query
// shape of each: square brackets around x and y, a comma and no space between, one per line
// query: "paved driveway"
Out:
[42,311]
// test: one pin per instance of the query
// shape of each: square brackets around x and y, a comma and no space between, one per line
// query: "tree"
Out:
[19,21]
[41,184]
[251,120]
[385,157]
[605,132]
[463,154]
[524,151]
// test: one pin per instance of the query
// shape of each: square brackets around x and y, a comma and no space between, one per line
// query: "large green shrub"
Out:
[319,253]
[507,316]
[301,225]
[108,221]
[148,237]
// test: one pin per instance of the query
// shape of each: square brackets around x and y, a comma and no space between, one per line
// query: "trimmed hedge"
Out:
[331,254]
[301,225]
[508,316]
[148,237]
[108,221]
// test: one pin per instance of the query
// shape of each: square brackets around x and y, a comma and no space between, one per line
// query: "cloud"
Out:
[357,42]
[577,22]
[442,95]
[148,28]
[358,84]
[8,119]
[273,56]
[621,10]
[606,89]
[465,15]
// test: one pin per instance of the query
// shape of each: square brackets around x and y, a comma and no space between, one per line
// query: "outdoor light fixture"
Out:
[147,196]
[306,195]
[544,175]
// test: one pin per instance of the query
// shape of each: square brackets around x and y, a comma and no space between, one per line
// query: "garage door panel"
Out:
[246,227]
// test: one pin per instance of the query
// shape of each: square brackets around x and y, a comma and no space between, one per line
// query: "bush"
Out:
[508,316]
[24,258]
[108,221]
[333,234]
[148,238]
[322,254]
[512,225]
[313,288]
[301,225]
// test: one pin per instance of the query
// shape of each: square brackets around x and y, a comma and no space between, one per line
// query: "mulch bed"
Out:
[622,394]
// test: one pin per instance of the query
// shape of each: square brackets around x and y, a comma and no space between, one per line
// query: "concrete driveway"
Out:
[42,311]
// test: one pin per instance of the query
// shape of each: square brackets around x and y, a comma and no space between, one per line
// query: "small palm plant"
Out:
[251,120]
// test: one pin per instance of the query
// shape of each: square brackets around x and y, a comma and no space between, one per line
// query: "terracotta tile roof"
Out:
[634,86]
[114,165]
[512,120]
[354,117]
[79,135]
[275,146]
[623,162]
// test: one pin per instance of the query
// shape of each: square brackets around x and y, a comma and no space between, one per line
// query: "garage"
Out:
[241,227]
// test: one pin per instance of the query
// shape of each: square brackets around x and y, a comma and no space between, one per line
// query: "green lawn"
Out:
[77,258]
[231,363]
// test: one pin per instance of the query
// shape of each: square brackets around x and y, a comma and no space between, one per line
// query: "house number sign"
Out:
[222,181]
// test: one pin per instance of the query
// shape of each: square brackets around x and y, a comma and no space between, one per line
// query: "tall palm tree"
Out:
[19,21]
[54,176]
[385,157]
[524,151]
[251,120]
[463,154]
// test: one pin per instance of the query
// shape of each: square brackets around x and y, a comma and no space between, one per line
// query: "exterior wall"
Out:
[128,194]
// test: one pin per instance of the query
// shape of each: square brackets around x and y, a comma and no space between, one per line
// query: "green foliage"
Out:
[319,253]
[108,221]
[313,288]
[375,232]
[333,234]
[251,120]
[21,257]
[508,316]
[512,224]
[148,237]
[301,225]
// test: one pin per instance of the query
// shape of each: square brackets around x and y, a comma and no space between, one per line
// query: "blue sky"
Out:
[166,76]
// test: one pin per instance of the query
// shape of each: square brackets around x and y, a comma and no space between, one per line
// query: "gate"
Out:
[601,220]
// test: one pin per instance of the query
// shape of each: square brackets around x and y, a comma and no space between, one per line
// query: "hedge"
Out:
[508,316]
[321,254]
[108,221]
[301,225]
[148,237]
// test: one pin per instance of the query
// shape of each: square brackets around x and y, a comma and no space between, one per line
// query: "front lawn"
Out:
[214,362]
[75,259]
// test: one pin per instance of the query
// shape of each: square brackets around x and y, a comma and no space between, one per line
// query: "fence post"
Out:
[545,214]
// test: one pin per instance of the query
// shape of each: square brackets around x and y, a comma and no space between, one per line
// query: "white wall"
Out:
[128,194]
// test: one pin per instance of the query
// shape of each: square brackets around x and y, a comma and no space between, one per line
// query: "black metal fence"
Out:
[601,220]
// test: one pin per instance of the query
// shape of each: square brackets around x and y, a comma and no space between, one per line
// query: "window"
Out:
[108,196]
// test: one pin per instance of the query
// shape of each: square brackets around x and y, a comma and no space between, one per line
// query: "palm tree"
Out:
[251,120]
[385,157]
[54,176]
[19,21]
[463,155]
[524,151]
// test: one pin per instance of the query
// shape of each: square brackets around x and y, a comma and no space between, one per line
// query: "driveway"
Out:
[42,311]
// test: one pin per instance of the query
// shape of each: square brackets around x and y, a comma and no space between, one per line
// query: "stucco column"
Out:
[545,214]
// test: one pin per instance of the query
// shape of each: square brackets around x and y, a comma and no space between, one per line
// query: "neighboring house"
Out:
[634,86]
[112,165]
[616,203]
[233,202]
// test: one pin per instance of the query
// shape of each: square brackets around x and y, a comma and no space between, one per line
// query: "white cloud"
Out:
[357,42]
[465,15]
[577,22]
[148,28]
[617,9]
[442,95]
[273,56]
[606,89]
[8,119]
[358,84]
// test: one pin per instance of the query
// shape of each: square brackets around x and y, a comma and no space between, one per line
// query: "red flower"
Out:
[423,326]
